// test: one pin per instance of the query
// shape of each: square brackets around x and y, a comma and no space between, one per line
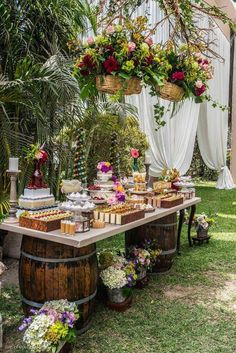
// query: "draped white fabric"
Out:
[172,145]
[213,123]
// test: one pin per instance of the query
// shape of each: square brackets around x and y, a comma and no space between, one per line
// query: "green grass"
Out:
[190,309]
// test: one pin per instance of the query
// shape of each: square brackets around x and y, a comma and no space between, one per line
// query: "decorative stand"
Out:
[13,197]
[147,166]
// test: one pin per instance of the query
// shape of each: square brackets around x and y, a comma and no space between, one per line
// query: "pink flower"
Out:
[149,41]
[110,29]
[178,76]
[131,47]
[90,40]
[198,83]
[200,91]
[134,153]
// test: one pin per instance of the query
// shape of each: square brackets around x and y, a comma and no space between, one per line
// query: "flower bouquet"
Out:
[118,278]
[118,59]
[104,171]
[152,246]
[202,224]
[38,156]
[142,262]
[49,328]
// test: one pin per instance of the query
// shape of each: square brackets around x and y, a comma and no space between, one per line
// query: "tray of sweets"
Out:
[43,221]
[172,201]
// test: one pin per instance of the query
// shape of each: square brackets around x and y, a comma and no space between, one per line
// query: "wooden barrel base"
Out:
[121,307]
[164,231]
[142,283]
[53,271]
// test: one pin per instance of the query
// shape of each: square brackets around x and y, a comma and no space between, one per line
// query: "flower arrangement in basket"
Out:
[118,59]
[118,275]
[202,224]
[50,327]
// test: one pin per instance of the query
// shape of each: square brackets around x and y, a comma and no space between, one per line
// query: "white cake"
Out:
[104,178]
[36,198]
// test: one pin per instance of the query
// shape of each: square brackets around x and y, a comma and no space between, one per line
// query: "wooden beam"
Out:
[233,109]
[228,7]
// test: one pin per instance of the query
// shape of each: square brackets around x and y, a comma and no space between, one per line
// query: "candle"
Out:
[13,164]
[147,158]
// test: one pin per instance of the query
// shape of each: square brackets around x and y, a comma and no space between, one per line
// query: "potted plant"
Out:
[141,260]
[152,246]
[118,279]
[52,328]
[202,224]
[118,59]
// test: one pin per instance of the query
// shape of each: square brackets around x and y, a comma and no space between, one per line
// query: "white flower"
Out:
[113,277]
[34,335]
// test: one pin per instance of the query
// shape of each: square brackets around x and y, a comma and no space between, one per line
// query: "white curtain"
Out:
[172,145]
[213,123]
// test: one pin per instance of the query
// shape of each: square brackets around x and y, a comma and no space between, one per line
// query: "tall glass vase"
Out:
[135,167]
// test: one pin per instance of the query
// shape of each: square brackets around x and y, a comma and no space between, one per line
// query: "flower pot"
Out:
[116,295]
[170,92]
[112,84]
[142,279]
[121,307]
[202,233]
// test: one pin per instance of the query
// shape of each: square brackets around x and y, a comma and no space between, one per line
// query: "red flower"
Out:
[200,91]
[111,64]
[134,153]
[109,48]
[84,72]
[178,76]
[88,61]
[149,59]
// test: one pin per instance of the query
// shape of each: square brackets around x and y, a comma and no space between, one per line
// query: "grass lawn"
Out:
[190,309]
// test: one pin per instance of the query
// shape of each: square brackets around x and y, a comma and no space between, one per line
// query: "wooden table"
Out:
[56,266]
[95,235]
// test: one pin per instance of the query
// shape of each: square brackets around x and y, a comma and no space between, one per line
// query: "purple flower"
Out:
[22,327]
[114,178]
[33,311]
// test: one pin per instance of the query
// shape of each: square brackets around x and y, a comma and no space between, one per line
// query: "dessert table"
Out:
[94,235]
[57,266]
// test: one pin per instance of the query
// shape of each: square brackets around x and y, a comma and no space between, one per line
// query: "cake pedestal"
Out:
[13,197]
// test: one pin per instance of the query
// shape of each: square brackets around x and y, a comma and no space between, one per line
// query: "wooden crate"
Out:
[167,203]
[41,225]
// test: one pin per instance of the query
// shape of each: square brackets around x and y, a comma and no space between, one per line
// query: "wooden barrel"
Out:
[164,230]
[52,271]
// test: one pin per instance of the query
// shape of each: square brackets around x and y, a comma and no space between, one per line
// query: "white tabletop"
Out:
[94,235]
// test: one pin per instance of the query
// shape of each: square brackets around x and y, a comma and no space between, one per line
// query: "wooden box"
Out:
[129,217]
[172,202]
[41,225]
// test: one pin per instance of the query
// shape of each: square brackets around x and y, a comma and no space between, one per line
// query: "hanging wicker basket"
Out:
[170,92]
[112,84]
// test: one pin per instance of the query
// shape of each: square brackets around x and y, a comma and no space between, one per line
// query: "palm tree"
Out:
[37,91]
